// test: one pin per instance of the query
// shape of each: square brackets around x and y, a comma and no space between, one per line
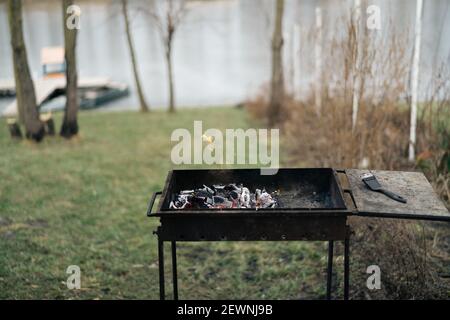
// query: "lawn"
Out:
[83,202]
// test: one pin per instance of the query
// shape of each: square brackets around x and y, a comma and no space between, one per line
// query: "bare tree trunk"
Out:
[143,104]
[25,95]
[415,81]
[170,76]
[277,80]
[69,126]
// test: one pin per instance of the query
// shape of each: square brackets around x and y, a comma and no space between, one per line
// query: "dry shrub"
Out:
[379,140]
[399,248]
[434,126]
[257,106]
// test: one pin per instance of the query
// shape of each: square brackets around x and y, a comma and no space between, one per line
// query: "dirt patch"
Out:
[37,223]
[5,222]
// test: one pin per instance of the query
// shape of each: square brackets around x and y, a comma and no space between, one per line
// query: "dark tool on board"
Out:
[371,181]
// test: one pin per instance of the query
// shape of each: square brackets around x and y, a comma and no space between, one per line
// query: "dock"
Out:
[7,88]
[92,91]
[50,87]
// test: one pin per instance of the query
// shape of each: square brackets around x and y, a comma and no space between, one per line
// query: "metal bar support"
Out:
[330,268]
[174,270]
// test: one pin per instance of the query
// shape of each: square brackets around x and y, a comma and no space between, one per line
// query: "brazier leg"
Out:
[346,265]
[330,268]
[174,270]
[161,269]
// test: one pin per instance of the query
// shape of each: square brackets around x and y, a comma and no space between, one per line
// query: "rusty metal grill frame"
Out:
[336,193]
[278,224]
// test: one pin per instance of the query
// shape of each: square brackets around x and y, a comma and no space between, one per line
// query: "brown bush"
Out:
[410,257]
[402,250]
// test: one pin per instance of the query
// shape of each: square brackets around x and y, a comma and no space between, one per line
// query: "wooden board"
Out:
[423,203]
[7,84]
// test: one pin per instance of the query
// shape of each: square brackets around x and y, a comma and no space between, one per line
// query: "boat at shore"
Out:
[93,92]
[50,94]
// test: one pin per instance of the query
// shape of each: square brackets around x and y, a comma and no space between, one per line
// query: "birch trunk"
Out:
[357,69]
[318,60]
[415,81]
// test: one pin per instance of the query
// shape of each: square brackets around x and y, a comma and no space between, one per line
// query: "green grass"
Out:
[82,202]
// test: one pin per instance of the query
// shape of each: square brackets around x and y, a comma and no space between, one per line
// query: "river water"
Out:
[221,49]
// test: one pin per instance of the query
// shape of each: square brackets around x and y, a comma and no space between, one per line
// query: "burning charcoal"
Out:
[244,199]
[234,195]
[257,198]
[231,187]
[253,200]
[204,192]
[221,202]
[208,189]
[263,199]
[218,187]
[266,200]
[219,199]
[223,196]
[181,202]
[210,202]
[200,202]
[201,193]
